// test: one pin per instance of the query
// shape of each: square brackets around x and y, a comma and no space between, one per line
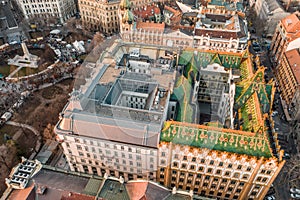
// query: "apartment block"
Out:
[286,37]
[288,78]
[102,15]
[46,9]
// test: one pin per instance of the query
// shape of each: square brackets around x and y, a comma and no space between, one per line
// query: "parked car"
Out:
[270,197]
[295,191]
[287,156]
[295,196]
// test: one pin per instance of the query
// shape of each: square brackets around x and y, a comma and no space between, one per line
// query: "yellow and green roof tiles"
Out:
[204,58]
[201,136]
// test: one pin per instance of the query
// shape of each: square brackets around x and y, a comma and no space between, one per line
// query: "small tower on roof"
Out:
[125,4]
[126,17]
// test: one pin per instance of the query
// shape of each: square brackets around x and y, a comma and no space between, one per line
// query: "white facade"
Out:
[60,9]
[96,156]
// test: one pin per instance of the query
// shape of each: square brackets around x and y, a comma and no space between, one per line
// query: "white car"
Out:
[295,196]
[295,191]
[270,197]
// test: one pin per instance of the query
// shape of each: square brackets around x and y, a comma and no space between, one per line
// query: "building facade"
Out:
[61,10]
[216,174]
[112,124]
[288,78]
[286,37]
[118,123]
[211,29]
[102,15]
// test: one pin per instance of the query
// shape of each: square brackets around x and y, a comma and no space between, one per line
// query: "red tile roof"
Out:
[75,196]
[150,26]
[291,24]
[293,57]
[146,11]
[216,33]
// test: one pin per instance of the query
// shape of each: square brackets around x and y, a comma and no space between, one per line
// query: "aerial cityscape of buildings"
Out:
[127,99]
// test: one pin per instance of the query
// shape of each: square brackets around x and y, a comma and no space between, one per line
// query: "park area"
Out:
[46,55]
[41,111]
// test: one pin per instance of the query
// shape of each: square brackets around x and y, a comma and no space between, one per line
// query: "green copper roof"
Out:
[125,4]
[182,94]
[229,140]
[192,69]
[92,187]
[128,16]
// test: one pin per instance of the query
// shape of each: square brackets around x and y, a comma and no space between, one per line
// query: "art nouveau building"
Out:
[223,163]
[117,124]
[45,9]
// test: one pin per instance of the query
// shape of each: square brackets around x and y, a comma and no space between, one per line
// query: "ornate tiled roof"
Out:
[208,57]
[215,138]
[255,84]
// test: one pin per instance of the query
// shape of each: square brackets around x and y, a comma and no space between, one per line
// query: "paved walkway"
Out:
[36,132]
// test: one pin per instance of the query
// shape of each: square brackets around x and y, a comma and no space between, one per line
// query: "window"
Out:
[248,169]
[184,157]
[201,169]
[218,171]
[239,167]
[211,162]
[230,166]
[221,164]
[253,193]
[209,170]
[207,177]
[236,175]
[245,176]
[264,180]
[163,154]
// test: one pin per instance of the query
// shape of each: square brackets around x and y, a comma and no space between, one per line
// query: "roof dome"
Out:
[125,4]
